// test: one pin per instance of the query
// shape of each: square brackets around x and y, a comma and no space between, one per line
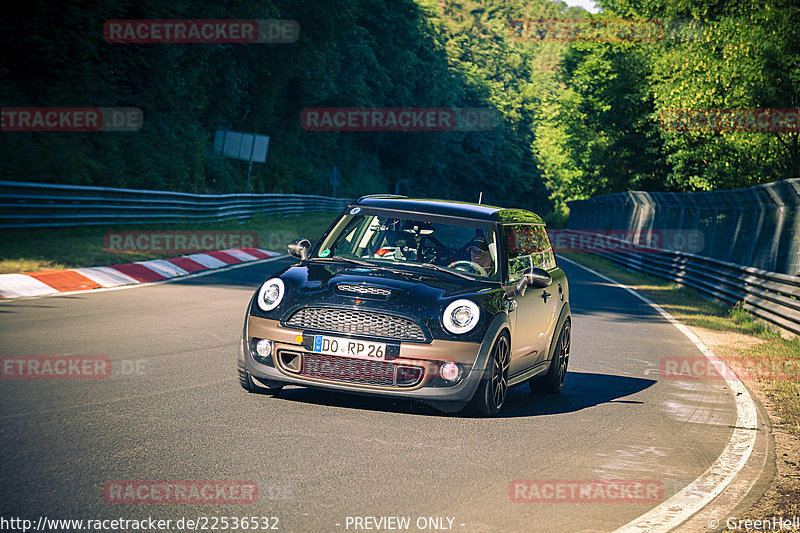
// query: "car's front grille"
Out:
[349,370]
[364,290]
[354,322]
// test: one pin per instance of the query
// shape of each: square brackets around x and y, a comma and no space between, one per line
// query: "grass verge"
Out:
[31,250]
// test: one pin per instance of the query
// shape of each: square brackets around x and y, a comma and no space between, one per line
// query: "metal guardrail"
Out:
[29,205]
[768,295]
[758,226]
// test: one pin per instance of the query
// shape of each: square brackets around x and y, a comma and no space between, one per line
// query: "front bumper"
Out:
[430,389]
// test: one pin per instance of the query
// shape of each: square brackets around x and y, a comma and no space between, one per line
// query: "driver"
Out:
[480,255]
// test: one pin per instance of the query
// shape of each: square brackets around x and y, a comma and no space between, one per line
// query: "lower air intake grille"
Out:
[348,370]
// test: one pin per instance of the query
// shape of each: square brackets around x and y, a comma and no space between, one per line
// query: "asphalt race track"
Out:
[172,409]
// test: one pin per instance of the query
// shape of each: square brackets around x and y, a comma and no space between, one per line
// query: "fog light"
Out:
[264,347]
[449,371]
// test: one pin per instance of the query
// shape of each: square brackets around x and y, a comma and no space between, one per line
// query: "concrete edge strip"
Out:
[16,286]
[700,492]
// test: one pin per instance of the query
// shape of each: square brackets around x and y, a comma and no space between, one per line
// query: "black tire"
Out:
[553,381]
[491,393]
[246,381]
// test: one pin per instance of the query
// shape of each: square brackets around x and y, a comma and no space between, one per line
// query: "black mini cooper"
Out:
[442,302]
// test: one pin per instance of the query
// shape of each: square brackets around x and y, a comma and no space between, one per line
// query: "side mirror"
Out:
[301,249]
[535,277]
[538,278]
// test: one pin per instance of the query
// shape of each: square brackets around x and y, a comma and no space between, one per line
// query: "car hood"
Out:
[412,293]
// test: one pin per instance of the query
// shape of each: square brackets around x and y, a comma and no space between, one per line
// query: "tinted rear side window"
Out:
[526,246]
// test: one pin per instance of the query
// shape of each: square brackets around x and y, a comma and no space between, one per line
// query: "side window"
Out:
[527,246]
[547,248]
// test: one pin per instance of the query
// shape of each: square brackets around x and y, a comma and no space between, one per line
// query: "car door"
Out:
[532,311]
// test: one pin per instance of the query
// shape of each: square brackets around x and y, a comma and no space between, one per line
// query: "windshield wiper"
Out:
[354,261]
[340,259]
[442,269]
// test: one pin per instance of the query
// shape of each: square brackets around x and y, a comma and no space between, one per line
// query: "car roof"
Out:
[449,208]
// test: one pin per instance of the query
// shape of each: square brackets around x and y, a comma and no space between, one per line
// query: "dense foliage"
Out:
[351,53]
[576,119]
[604,131]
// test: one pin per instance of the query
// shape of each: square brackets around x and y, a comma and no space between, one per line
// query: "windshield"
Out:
[460,246]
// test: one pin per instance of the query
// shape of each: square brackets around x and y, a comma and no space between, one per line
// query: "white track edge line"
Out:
[700,492]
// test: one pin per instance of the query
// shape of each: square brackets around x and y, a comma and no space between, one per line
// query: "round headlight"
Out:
[270,294]
[461,316]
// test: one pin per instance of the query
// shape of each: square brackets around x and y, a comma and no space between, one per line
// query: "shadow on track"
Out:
[581,390]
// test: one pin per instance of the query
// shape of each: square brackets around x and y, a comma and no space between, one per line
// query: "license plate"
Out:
[375,351]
